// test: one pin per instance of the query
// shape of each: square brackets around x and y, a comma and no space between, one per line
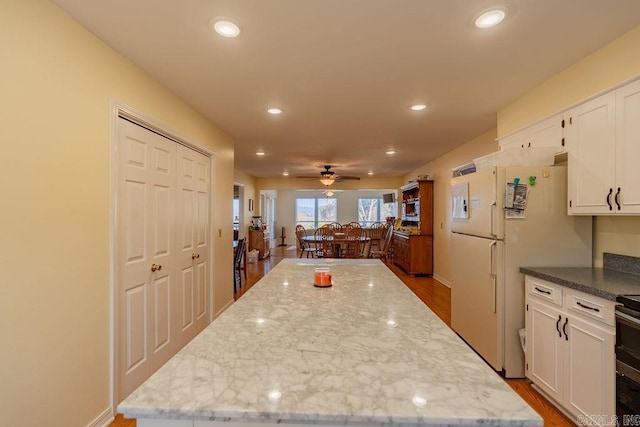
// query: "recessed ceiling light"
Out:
[259,153]
[370,173]
[390,151]
[225,27]
[285,173]
[274,110]
[491,17]
[418,107]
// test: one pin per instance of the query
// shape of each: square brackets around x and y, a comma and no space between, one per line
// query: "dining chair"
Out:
[237,265]
[383,253]
[325,244]
[305,247]
[377,232]
[354,224]
[335,226]
[354,243]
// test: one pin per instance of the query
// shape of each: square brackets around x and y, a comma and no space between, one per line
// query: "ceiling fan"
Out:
[328,177]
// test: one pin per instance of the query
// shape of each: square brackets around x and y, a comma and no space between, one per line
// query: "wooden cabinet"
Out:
[603,140]
[413,251]
[546,133]
[570,352]
[258,240]
[417,206]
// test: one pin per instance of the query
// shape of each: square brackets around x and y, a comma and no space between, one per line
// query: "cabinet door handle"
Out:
[558,325]
[609,199]
[543,291]
[564,329]
[597,310]
[617,198]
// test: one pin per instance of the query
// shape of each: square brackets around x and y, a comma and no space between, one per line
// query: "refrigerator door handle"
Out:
[493,276]
[494,204]
[495,293]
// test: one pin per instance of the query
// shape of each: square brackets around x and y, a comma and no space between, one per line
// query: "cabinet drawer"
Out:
[544,290]
[590,306]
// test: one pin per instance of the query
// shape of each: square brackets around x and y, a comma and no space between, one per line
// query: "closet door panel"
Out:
[145,227]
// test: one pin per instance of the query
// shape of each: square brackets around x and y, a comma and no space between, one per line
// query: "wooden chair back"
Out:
[325,244]
[354,243]
[237,264]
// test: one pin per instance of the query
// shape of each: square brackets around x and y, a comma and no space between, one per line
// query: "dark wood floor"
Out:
[436,296]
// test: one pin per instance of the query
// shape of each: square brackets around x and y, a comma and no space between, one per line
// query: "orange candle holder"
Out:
[322,278]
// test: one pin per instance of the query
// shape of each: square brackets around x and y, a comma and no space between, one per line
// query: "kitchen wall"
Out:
[57,82]
[440,171]
[609,66]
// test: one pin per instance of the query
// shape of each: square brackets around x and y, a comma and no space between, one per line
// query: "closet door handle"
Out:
[609,199]
[617,198]
[156,267]
[564,329]
[558,325]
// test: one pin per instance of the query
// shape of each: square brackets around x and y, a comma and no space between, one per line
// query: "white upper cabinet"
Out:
[603,142]
[628,149]
[547,133]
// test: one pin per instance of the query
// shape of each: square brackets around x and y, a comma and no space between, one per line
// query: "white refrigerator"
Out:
[490,243]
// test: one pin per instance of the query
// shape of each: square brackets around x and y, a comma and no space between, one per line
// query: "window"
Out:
[315,212]
[372,210]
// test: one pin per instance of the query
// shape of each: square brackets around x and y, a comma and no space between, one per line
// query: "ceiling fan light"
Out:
[329,193]
[327,181]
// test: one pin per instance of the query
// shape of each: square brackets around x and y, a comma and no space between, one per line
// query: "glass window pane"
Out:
[306,212]
[327,211]
[388,209]
[369,211]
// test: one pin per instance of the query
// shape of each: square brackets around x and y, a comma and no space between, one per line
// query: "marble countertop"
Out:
[604,283]
[366,351]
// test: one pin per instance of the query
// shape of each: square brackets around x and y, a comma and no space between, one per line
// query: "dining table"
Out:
[364,352]
[339,239]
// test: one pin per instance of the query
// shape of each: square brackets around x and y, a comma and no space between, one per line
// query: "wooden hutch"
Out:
[413,244]
[260,241]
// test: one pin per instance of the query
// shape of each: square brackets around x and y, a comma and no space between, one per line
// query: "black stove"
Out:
[631,302]
[628,356]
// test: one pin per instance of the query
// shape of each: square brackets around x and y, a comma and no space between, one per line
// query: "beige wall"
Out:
[57,81]
[613,64]
[440,171]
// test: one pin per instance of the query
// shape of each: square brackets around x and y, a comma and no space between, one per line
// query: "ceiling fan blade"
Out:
[346,177]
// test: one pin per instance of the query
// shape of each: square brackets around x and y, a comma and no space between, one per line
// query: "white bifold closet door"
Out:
[162,249]
[193,242]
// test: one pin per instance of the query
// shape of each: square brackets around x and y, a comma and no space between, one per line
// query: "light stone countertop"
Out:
[366,351]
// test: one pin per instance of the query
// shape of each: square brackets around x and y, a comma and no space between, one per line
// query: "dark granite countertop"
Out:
[600,282]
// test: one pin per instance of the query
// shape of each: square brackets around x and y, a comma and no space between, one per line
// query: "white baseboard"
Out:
[103,420]
[442,280]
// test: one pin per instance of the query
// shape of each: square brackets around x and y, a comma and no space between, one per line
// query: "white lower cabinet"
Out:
[570,353]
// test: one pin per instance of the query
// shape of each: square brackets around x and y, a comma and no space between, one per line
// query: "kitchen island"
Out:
[365,351]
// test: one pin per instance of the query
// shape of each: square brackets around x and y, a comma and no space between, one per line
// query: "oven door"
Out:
[627,362]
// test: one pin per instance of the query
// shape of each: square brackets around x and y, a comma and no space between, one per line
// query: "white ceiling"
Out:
[346,71]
